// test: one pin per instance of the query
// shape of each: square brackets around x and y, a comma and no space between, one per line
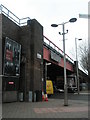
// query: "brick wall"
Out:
[31,39]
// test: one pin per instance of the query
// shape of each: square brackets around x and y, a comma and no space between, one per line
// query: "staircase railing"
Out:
[13,17]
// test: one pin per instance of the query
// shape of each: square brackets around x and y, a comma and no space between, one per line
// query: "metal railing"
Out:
[13,17]
[49,43]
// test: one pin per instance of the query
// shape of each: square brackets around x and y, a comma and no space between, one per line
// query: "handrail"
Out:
[59,50]
[12,16]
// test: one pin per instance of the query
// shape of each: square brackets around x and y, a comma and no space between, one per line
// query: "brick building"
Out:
[30,38]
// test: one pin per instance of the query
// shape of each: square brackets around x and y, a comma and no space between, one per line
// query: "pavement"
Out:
[53,108]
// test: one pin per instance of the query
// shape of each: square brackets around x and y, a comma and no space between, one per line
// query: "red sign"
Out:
[9,55]
[11,83]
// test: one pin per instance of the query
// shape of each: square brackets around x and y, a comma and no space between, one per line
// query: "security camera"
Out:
[67,31]
[60,33]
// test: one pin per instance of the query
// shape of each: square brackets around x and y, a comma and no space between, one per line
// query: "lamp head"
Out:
[54,25]
[73,20]
[80,39]
[48,63]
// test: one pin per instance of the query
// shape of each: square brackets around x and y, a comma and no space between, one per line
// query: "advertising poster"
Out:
[12,53]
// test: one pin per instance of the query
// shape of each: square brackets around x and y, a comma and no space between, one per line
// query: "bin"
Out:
[30,96]
[34,96]
[21,96]
[38,95]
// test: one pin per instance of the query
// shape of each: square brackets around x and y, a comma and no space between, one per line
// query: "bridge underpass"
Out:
[56,74]
[53,59]
[55,71]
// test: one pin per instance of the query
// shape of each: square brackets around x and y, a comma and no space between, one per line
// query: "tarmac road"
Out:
[71,96]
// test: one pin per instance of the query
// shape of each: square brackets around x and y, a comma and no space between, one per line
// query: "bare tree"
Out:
[89,58]
[84,55]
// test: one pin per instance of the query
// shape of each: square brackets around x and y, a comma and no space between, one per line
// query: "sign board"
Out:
[10,83]
[87,16]
[39,56]
[55,57]
[12,51]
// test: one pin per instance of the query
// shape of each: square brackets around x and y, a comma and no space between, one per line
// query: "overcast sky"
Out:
[55,11]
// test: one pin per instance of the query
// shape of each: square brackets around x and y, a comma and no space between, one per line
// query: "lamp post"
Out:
[65,79]
[46,64]
[77,74]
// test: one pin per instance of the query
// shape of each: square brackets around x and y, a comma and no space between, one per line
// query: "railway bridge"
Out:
[28,58]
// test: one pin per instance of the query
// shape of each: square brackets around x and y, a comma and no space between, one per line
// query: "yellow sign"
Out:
[49,87]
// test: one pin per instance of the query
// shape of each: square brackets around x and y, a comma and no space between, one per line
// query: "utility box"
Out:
[38,95]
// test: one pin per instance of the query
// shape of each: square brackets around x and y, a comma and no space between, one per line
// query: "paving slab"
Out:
[54,108]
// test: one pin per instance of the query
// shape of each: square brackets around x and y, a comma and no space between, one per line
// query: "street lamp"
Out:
[46,64]
[65,79]
[77,75]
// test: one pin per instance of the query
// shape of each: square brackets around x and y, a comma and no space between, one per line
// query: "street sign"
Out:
[87,16]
